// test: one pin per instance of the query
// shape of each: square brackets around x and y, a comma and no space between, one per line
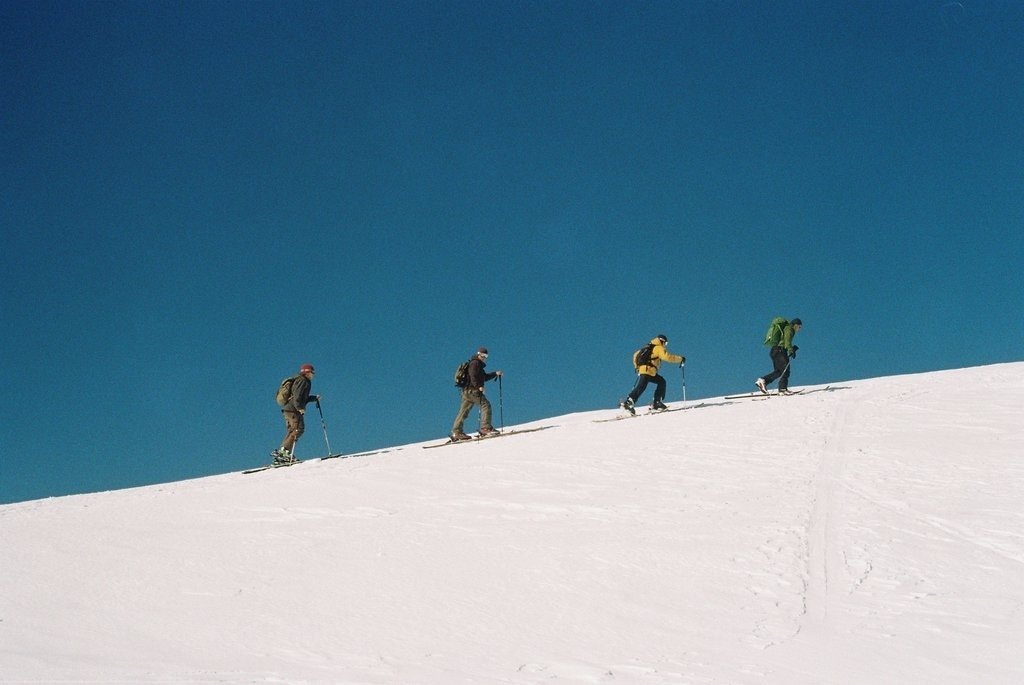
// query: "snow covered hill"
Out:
[870,532]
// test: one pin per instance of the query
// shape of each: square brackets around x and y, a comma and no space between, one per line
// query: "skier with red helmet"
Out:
[293,410]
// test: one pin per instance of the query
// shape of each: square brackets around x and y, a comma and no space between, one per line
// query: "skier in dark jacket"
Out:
[473,394]
[780,340]
[293,411]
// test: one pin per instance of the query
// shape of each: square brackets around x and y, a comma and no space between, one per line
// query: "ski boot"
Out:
[282,458]
[627,404]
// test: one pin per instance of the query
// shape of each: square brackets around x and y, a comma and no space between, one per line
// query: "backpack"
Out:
[284,391]
[642,357]
[775,331]
[462,374]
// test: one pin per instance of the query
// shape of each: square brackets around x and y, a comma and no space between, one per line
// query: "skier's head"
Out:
[797,322]
[663,339]
[307,369]
[482,353]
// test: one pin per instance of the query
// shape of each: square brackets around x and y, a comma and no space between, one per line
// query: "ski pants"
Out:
[780,360]
[295,426]
[641,384]
[471,397]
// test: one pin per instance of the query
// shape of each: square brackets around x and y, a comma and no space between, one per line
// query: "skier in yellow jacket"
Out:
[646,361]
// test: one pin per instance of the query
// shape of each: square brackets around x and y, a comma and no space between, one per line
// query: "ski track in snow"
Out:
[891,511]
[821,537]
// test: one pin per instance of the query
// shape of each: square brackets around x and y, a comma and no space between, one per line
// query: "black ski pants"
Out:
[780,360]
[641,384]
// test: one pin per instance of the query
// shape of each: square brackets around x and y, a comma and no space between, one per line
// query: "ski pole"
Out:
[323,424]
[501,407]
[682,367]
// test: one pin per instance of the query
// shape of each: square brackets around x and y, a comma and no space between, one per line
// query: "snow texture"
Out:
[868,533]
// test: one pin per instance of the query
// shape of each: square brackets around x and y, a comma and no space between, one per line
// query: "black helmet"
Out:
[797,322]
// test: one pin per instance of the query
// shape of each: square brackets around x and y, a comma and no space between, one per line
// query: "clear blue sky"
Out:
[200,196]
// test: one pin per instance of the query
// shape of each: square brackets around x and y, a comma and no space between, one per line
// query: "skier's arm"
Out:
[665,356]
[787,340]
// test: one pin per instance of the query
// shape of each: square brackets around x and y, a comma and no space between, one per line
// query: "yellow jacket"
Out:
[658,355]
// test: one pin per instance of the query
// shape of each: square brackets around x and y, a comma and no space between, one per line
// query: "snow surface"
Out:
[872,532]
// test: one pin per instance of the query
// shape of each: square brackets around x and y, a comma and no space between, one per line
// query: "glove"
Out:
[793,355]
[682,362]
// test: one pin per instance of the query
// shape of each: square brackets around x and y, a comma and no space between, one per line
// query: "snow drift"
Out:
[870,532]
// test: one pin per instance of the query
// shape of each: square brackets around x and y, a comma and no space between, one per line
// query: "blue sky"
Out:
[201,196]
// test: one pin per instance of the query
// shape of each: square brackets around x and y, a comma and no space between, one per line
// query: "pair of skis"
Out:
[481,438]
[761,395]
[478,438]
[649,412]
[766,395]
[275,466]
[329,456]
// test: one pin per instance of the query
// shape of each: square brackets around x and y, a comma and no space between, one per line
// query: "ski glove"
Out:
[793,355]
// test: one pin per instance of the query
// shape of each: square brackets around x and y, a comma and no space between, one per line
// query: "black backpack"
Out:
[642,357]
[462,374]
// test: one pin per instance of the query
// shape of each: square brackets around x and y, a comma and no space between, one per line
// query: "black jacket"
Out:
[477,375]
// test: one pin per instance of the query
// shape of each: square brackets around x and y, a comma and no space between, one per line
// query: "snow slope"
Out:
[872,532]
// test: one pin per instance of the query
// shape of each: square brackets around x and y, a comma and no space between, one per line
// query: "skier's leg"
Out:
[464,408]
[295,428]
[639,387]
[779,362]
[784,380]
[659,389]
[485,413]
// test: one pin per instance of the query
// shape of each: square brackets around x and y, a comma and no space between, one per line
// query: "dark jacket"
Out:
[300,394]
[477,375]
